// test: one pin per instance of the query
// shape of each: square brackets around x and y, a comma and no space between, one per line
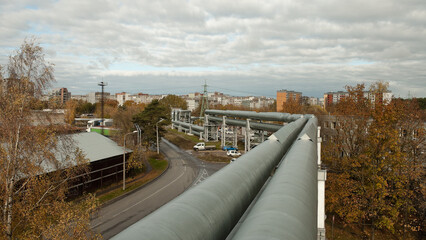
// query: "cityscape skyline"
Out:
[239,48]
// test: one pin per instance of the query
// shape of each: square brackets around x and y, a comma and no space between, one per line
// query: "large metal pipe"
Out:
[192,131]
[187,125]
[196,133]
[268,116]
[287,208]
[253,125]
[213,207]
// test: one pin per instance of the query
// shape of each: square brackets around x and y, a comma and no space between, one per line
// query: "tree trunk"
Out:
[9,205]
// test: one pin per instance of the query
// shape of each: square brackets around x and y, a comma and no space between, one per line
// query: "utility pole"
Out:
[102,84]
[205,101]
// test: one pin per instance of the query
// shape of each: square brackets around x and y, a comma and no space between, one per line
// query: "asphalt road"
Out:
[184,171]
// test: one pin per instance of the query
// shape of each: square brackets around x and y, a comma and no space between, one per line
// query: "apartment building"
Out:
[284,96]
[331,98]
[61,95]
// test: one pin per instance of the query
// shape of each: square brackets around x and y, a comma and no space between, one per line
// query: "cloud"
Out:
[252,46]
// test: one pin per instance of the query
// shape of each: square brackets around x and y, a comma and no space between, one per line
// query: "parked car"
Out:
[202,146]
[233,153]
[227,148]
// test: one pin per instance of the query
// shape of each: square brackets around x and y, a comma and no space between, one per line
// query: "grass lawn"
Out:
[193,139]
[158,164]
[181,139]
[215,156]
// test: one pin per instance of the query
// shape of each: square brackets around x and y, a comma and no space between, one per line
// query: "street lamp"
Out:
[156,128]
[124,159]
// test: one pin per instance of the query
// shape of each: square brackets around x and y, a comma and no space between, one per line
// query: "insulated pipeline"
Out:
[268,116]
[212,208]
[287,208]
[253,125]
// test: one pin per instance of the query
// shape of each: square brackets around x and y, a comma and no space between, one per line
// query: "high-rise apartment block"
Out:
[284,96]
[60,94]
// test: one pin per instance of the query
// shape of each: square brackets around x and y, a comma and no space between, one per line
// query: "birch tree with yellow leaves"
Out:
[36,163]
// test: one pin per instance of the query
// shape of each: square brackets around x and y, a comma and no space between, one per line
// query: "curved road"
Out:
[184,171]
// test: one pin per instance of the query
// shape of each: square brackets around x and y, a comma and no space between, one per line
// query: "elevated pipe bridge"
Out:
[290,205]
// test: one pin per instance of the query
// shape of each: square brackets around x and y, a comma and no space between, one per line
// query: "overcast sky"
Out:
[238,47]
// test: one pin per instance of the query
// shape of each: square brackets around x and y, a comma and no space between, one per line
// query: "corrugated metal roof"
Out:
[97,147]
[93,145]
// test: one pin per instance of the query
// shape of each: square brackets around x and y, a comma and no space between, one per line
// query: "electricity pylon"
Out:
[205,100]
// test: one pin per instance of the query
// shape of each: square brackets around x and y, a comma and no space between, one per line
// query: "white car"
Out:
[233,153]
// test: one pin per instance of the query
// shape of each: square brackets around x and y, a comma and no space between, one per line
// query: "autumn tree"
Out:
[124,114]
[54,103]
[36,163]
[373,178]
[123,119]
[313,109]
[37,104]
[70,111]
[292,106]
[173,101]
[422,103]
[230,107]
[84,107]
[110,108]
[411,131]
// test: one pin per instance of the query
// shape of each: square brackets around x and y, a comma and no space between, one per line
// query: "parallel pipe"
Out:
[196,133]
[213,207]
[253,125]
[192,131]
[268,116]
[287,208]
[194,127]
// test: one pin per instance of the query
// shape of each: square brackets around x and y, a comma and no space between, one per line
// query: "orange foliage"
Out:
[375,166]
